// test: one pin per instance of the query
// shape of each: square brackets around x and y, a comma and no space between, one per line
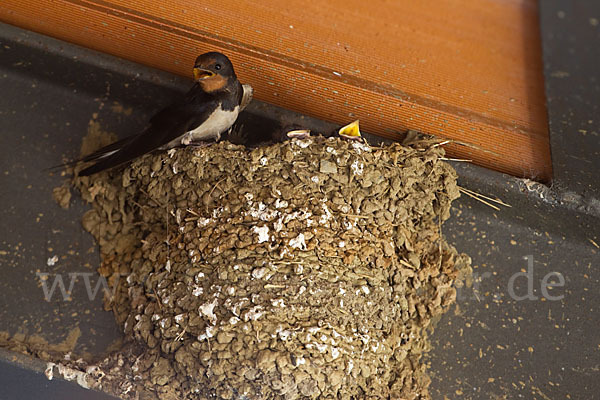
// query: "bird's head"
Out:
[213,71]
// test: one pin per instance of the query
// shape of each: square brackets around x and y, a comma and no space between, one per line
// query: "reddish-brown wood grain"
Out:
[459,69]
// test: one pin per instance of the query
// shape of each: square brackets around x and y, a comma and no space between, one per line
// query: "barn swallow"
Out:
[207,110]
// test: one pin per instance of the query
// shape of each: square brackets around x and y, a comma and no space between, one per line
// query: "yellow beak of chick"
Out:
[350,131]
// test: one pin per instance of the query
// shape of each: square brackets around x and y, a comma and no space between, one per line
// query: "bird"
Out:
[206,111]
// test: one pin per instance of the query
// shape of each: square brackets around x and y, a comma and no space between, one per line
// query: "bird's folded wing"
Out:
[166,126]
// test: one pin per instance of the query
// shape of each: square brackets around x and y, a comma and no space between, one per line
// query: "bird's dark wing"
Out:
[107,150]
[167,125]
[96,155]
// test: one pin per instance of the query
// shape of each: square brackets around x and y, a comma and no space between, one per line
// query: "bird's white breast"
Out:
[216,123]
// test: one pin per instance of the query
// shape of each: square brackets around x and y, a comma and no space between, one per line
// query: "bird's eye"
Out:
[217,66]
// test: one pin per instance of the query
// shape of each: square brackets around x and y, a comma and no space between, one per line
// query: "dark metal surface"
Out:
[493,346]
[571,53]
[507,341]
[45,108]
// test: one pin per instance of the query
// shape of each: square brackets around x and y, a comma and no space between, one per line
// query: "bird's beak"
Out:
[350,131]
[201,73]
[299,133]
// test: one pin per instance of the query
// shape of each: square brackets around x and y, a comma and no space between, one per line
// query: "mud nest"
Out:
[306,269]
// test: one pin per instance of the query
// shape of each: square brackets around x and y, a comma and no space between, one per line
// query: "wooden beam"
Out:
[464,70]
